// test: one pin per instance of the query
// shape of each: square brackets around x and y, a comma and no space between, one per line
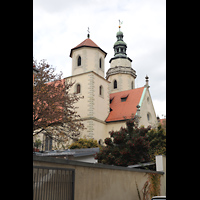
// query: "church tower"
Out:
[87,56]
[120,74]
[88,74]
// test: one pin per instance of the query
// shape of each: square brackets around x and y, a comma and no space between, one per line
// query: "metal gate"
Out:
[53,183]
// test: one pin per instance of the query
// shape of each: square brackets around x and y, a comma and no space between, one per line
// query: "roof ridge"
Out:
[127,90]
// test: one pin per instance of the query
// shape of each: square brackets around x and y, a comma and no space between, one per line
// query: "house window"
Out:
[100,63]
[48,143]
[78,88]
[79,61]
[115,84]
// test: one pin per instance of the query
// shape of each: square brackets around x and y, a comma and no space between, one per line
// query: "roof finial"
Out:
[147,81]
[88,35]
[120,23]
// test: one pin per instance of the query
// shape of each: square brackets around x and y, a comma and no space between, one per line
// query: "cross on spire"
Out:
[88,35]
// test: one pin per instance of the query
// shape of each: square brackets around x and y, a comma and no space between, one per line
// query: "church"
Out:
[108,100]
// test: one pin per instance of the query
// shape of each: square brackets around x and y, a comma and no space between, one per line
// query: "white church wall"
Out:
[89,61]
[147,109]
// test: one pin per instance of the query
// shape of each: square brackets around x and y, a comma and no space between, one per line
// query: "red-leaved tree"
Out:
[54,112]
[128,146]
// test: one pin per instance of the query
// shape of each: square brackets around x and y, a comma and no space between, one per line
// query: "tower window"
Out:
[101,91]
[100,63]
[78,88]
[132,85]
[115,84]
[79,61]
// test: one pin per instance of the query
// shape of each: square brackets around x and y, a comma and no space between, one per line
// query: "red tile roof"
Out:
[124,109]
[87,43]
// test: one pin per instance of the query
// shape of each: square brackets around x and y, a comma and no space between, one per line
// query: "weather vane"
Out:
[88,35]
[120,23]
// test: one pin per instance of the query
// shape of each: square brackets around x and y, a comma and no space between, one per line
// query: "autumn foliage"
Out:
[54,112]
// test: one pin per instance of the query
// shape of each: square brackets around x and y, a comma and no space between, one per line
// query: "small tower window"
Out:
[101,91]
[100,63]
[78,88]
[132,85]
[115,84]
[79,61]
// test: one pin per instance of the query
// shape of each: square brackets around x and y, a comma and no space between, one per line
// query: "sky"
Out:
[60,25]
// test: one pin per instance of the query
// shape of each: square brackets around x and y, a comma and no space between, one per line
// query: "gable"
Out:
[123,104]
[147,112]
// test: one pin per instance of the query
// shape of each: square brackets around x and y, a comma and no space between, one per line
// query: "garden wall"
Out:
[100,182]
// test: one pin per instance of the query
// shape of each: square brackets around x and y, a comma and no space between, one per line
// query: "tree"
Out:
[128,146]
[54,113]
[84,143]
[157,141]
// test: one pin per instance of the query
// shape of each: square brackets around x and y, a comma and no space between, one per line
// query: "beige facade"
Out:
[147,112]
[94,107]
[90,61]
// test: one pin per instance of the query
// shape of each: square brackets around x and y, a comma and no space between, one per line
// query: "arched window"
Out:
[101,90]
[132,85]
[78,88]
[79,61]
[115,84]
[148,116]
[100,63]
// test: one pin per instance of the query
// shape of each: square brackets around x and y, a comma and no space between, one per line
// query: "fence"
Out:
[53,183]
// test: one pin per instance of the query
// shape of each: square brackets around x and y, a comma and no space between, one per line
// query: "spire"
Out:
[120,46]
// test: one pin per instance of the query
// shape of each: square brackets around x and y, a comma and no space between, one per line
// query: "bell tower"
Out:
[120,74]
[87,56]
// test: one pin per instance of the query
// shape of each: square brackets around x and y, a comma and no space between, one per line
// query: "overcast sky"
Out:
[60,25]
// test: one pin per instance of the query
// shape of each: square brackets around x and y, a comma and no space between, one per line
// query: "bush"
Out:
[84,143]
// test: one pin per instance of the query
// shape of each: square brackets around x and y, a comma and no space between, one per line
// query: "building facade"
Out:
[108,101]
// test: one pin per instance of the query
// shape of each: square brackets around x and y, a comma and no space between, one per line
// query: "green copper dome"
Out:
[119,33]
[120,42]
[120,47]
